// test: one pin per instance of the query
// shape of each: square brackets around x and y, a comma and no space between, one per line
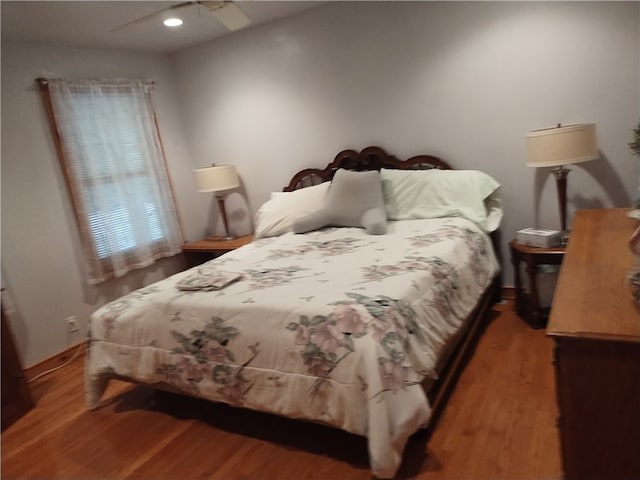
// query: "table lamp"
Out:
[557,147]
[218,178]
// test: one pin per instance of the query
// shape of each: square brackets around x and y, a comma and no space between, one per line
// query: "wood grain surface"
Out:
[593,298]
[499,423]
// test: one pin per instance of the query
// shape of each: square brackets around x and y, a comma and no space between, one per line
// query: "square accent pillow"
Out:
[275,217]
[354,199]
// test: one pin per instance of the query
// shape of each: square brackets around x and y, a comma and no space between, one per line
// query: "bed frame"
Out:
[375,158]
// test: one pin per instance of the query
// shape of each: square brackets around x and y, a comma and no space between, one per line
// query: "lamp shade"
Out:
[562,145]
[216,178]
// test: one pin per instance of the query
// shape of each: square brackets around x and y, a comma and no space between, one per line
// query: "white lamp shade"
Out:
[216,178]
[562,145]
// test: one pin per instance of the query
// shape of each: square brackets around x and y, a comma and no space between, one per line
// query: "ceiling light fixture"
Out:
[172,22]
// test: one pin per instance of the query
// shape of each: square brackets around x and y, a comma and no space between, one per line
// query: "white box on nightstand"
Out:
[537,237]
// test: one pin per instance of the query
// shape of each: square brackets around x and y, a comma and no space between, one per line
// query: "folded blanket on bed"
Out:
[207,279]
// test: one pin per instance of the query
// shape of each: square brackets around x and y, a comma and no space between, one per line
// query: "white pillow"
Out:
[413,194]
[493,204]
[276,216]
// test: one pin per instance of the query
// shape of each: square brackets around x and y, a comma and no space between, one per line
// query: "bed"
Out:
[358,329]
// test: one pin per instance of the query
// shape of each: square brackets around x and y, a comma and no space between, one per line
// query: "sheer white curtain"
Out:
[110,150]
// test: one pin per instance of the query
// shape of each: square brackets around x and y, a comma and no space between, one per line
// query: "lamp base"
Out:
[561,186]
[223,212]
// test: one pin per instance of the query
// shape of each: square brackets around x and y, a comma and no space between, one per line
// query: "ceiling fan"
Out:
[227,12]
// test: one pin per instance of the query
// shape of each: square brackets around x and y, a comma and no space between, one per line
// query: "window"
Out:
[111,155]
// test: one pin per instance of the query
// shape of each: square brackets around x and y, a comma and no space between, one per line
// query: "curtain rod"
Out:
[43,82]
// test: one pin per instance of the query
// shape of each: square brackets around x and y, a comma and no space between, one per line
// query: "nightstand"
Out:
[528,304]
[206,249]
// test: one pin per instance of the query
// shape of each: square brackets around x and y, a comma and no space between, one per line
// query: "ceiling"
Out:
[90,23]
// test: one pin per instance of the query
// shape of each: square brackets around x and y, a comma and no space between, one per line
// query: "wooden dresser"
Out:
[596,329]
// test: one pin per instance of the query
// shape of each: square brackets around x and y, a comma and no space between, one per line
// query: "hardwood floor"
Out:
[498,423]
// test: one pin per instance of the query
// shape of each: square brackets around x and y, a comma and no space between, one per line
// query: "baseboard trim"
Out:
[54,361]
[509,293]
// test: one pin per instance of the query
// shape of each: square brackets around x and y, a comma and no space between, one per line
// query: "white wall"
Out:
[465,81]
[41,261]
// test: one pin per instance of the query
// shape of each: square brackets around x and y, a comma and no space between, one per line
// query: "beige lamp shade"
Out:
[216,178]
[562,145]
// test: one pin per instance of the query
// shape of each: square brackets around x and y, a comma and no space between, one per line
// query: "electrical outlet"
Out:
[72,323]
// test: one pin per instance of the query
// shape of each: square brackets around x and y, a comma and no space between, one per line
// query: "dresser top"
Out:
[593,297]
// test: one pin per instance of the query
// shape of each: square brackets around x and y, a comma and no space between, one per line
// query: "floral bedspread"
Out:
[334,326]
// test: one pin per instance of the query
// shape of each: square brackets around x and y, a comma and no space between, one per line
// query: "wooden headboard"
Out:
[375,158]
[371,158]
